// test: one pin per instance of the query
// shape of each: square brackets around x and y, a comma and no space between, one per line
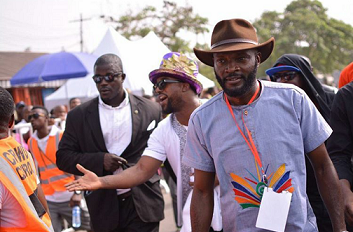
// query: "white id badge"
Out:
[274,210]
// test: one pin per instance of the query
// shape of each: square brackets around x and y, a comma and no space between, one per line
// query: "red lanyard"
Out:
[250,143]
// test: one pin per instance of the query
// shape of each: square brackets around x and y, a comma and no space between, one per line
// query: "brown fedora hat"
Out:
[234,35]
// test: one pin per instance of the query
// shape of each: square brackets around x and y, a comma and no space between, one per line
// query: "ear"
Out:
[185,87]
[123,77]
[12,121]
[258,58]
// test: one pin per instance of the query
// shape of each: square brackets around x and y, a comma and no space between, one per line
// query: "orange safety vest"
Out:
[18,174]
[52,179]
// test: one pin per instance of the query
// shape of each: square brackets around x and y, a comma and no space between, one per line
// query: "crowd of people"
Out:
[259,155]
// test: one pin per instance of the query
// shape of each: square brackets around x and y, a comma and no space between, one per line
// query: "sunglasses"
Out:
[108,77]
[287,76]
[35,116]
[163,83]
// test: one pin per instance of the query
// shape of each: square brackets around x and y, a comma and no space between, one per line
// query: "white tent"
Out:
[139,59]
[83,88]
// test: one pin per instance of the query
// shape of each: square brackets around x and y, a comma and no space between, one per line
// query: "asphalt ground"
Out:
[168,223]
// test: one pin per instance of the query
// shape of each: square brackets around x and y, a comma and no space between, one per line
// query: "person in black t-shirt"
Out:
[340,146]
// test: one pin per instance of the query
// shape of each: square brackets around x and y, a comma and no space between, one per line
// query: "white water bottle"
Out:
[76,217]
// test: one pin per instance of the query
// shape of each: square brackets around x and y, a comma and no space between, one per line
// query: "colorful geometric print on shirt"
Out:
[248,196]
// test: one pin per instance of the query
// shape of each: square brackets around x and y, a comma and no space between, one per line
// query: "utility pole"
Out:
[81,28]
[81,33]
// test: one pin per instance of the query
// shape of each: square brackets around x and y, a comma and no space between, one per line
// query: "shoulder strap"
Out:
[30,143]
[57,139]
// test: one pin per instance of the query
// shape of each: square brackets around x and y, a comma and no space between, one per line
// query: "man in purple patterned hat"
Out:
[177,89]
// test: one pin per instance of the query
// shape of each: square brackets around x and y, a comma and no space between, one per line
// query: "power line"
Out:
[27,25]
[33,37]
[81,28]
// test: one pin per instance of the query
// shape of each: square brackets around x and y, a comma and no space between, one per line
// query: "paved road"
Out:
[168,224]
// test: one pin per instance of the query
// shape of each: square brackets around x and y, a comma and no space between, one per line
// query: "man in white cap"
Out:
[254,135]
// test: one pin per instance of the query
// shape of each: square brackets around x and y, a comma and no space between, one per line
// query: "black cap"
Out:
[20,104]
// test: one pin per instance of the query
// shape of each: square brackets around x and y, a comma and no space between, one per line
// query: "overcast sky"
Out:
[46,25]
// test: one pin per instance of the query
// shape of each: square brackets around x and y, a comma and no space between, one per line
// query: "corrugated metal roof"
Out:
[46,84]
[12,62]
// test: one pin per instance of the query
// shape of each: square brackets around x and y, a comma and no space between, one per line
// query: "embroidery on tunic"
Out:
[248,192]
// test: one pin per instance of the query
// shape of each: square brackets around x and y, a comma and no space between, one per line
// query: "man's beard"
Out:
[172,105]
[237,92]
[168,108]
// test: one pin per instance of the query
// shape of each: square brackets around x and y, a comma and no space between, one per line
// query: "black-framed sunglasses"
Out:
[109,77]
[35,116]
[163,83]
[287,76]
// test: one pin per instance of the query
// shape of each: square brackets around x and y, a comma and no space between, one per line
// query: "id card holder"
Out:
[274,210]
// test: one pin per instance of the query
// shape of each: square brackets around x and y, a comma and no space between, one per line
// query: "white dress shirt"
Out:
[164,143]
[23,130]
[116,124]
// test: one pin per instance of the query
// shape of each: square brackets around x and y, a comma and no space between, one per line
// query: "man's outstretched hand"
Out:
[90,181]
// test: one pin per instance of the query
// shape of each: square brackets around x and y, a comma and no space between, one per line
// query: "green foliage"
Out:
[304,28]
[166,23]
[206,70]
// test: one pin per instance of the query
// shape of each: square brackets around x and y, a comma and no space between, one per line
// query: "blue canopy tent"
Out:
[55,66]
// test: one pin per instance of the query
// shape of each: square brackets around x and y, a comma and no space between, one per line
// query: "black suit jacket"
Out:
[83,143]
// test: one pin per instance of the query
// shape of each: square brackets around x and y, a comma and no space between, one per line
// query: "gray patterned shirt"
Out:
[285,125]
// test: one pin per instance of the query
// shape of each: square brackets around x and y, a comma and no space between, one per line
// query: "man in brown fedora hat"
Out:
[254,135]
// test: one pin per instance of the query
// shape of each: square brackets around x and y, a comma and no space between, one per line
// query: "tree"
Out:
[206,70]
[166,23]
[304,28]
[170,24]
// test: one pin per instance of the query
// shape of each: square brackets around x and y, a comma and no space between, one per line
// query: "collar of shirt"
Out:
[22,122]
[53,131]
[42,143]
[124,103]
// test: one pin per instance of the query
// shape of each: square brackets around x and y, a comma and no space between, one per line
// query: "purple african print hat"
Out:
[179,66]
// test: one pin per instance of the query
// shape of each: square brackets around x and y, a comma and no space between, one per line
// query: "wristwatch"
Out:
[78,192]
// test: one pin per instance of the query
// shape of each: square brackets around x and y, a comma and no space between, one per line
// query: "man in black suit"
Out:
[105,135]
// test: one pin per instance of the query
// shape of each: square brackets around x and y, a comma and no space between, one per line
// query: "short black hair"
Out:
[41,108]
[73,99]
[7,106]
[110,59]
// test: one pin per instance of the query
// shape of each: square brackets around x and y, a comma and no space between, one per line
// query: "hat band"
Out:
[227,41]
